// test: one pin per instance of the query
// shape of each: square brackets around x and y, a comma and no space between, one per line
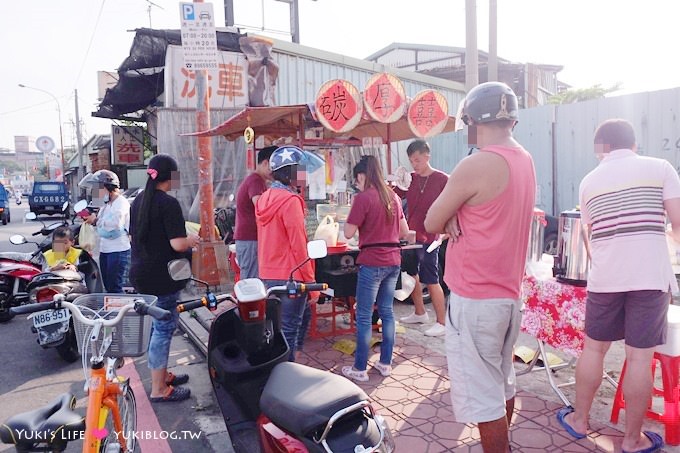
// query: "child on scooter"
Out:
[62,255]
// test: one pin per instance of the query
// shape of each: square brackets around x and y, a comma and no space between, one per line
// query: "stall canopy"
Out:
[287,121]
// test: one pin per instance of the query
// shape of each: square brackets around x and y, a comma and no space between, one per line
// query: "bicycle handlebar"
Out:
[138,305]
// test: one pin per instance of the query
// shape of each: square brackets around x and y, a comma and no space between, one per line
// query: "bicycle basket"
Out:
[130,338]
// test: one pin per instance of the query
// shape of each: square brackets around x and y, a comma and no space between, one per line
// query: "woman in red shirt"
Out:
[376,213]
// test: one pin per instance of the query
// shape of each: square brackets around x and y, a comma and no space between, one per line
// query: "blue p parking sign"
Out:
[188,12]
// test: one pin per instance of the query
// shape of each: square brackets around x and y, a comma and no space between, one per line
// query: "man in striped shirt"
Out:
[624,203]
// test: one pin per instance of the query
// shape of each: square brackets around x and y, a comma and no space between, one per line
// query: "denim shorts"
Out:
[428,265]
[161,332]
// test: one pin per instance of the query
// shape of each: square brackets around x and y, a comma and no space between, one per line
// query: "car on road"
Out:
[4,206]
[132,193]
[48,197]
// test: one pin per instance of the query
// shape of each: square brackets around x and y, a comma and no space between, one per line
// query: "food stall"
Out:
[339,127]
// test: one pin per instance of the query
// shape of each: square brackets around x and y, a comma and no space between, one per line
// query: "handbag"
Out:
[328,231]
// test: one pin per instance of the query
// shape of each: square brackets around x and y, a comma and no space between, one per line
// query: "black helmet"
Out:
[490,101]
[105,178]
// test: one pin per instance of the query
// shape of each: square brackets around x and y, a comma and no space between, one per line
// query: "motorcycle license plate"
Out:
[48,317]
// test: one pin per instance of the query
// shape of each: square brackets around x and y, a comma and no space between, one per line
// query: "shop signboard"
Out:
[227,84]
[339,106]
[384,98]
[128,145]
[428,113]
[199,39]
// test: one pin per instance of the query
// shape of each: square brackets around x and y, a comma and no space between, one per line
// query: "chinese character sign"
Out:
[428,113]
[128,145]
[227,84]
[384,98]
[338,106]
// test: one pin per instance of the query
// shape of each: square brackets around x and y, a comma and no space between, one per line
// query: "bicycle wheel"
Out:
[128,417]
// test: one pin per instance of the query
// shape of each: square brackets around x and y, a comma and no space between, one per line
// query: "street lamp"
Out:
[61,135]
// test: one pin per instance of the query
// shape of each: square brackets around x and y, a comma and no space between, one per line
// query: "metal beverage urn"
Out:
[572,261]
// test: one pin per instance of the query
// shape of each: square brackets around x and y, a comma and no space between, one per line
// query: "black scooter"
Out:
[271,405]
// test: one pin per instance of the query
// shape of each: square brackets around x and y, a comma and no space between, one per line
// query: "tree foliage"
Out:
[582,94]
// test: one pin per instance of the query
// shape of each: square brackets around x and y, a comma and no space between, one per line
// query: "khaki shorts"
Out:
[480,336]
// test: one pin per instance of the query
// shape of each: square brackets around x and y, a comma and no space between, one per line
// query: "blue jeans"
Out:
[246,255]
[161,332]
[375,285]
[114,267]
[294,323]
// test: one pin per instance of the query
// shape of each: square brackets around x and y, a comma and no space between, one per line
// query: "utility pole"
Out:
[79,139]
[471,53]
[229,13]
[493,41]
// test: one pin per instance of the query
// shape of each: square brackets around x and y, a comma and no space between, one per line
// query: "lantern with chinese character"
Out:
[428,113]
[384,98]
[339,106]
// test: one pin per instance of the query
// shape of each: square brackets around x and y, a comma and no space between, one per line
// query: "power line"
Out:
[89,45]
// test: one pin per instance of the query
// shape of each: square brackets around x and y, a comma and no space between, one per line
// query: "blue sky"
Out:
[59,46]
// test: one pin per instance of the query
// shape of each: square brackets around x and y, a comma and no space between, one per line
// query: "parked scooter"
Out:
[18,200]
[18,268]
[54,328]
[271,405]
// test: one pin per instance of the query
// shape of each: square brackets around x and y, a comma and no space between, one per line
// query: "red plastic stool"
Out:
[668,356]
[324,322]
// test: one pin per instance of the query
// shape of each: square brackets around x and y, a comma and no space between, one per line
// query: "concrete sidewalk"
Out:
[415,399]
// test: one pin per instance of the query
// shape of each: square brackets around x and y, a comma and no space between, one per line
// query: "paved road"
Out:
[31,376]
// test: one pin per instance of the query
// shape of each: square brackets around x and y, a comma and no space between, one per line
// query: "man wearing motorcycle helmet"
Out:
[113,223]
[282,237]
[486,208]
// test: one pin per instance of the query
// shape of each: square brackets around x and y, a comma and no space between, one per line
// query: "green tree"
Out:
[582,94]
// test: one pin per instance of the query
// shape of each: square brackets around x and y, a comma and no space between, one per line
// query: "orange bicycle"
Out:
[112,326]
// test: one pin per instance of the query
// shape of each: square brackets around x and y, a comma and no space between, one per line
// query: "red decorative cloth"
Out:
[554,313]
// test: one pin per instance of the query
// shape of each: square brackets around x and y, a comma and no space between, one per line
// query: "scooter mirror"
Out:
[17,239]
[64,207]
[30,216]
[317,249]
[81,205]
[179,269]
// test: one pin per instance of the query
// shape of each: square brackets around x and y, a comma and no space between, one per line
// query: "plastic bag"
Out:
[328,231]
[87,237]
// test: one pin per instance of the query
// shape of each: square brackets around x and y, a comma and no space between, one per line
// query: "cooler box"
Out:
[672,346]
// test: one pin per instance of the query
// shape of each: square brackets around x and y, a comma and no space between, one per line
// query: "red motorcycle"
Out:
[17,269]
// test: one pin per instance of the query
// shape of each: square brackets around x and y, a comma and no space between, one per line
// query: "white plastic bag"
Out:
[87,237]
[328,231]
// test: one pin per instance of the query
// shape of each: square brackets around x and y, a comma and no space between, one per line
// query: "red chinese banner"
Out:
[428,113]
[338,106]
[384,98]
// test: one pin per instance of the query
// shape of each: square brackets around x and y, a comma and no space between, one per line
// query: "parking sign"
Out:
[199,39]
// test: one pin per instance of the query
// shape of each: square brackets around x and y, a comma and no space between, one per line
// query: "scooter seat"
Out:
[15,256]
[54,423]
[302,399]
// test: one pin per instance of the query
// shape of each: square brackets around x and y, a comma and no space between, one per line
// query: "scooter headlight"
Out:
[388,445]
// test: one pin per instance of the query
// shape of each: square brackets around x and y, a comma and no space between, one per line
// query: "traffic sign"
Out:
[199,39]
[44,144]
[384,98]
[338,106]
[428,113]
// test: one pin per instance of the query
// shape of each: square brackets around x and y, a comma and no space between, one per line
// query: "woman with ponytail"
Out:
[376,213]
[158,237]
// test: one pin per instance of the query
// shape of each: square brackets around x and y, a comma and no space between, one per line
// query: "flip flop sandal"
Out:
[176,379]
[173,394]
[561,414]
[657,443]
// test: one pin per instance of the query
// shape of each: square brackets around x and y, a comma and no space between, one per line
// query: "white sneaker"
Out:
[437,330]
[413,318]
[356,375]
[385,370]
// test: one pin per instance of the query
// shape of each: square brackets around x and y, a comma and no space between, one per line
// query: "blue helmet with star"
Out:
[284,156]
